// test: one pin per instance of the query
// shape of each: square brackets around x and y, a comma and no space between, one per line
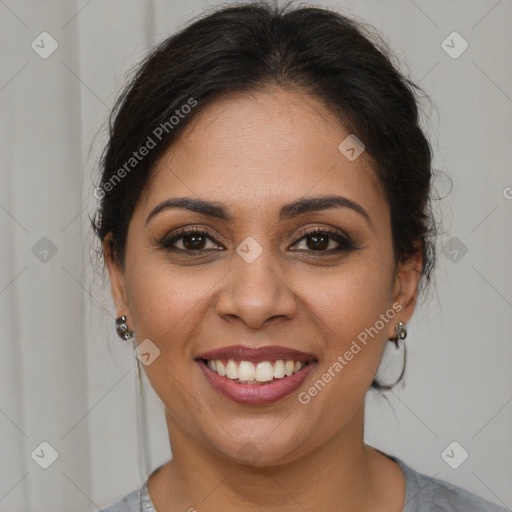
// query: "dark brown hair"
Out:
[244,48]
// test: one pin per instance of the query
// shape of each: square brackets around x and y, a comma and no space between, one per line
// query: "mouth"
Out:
[256,376]
[258,373]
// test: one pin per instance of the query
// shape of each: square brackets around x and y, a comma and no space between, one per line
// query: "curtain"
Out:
[69,438]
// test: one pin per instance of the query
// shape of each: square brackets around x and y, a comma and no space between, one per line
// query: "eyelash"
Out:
[345,243]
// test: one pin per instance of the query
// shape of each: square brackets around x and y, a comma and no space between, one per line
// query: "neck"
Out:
[342,474]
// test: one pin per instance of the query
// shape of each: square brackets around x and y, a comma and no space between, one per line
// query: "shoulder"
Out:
[426,494]
[130,503]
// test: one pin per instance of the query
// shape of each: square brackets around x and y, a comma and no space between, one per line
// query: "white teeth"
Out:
[246,371]
[220,368]
[231,370]
[279,369]
[263,371]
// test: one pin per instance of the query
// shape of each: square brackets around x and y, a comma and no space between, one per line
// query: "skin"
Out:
[255,153]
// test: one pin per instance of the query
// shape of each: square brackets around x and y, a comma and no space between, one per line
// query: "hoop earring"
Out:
[401,333]
[122,329]
[141,406]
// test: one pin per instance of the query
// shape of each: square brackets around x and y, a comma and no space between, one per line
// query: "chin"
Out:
[262,450]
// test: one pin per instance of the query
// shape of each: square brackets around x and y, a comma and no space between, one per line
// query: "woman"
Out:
[265,221]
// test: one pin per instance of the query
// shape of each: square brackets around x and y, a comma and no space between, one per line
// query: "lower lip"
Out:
[256,394]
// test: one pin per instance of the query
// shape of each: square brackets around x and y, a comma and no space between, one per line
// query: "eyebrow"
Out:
[300,206]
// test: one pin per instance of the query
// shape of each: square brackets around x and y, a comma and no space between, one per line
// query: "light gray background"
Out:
[65,377]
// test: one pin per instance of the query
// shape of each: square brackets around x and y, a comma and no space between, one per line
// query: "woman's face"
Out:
[259,282]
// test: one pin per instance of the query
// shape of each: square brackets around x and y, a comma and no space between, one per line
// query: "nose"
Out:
[256,293]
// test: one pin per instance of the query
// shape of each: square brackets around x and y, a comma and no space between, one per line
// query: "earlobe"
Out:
[405,286]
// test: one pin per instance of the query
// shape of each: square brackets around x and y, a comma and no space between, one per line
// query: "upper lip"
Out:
[255,354]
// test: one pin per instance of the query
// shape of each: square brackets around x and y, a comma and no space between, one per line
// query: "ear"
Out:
[405,288]
[116,274]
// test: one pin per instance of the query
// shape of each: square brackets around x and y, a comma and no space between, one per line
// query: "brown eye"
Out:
[317,242]
[322,240]
[191,240]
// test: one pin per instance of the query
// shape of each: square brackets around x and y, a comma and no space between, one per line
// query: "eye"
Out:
[321,240]
[195,241]
[192,240]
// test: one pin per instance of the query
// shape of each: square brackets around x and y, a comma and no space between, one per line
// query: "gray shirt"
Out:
[422,494]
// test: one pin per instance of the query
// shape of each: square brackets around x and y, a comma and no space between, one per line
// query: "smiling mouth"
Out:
[257,372]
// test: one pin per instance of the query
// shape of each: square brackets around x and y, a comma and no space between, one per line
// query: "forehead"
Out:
[260,150]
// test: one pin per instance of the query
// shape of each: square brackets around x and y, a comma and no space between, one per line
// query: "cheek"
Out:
[350,298]
[353,313]
[169,304]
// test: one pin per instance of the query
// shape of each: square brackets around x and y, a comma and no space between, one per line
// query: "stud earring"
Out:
[401,333]
[122,328]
